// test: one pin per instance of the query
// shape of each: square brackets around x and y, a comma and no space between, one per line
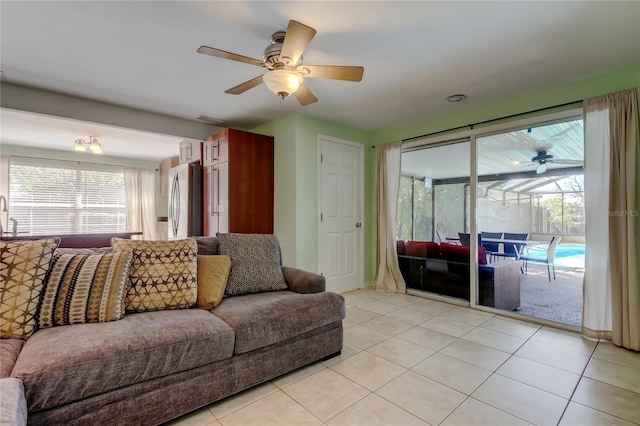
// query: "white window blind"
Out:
[59,197]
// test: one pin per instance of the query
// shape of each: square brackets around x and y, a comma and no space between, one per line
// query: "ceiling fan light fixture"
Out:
[282,82]
[542,167]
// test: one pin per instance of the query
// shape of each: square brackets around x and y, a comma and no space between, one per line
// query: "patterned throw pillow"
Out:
[85,288]
[23,270]
[163,274]
[213,272]
[256,263]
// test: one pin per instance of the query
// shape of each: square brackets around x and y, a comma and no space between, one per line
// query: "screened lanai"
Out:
[529,181]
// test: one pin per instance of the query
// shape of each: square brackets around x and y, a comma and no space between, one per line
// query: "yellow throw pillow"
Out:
[213,271]
[23,270]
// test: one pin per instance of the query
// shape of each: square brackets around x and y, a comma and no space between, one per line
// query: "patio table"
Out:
[516,244]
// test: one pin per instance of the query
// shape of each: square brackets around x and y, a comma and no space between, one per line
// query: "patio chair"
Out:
[465,239]
[548,260]
[491,247]
[442,236]
[512,250]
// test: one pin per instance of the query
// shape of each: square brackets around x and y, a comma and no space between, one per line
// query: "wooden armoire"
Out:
[238,174]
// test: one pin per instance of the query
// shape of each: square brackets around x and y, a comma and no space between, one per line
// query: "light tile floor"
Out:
[412,361]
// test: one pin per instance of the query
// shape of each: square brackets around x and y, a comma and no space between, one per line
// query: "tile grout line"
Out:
[579,380]
[457,339]
[485,380]
[510,355]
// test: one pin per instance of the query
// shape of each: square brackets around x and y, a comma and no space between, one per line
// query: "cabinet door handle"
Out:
[214,191]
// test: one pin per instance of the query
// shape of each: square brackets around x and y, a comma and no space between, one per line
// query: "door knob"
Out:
[358,225]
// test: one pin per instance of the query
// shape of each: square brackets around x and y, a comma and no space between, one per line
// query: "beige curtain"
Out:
[614,119]
[388,276]
[140,194]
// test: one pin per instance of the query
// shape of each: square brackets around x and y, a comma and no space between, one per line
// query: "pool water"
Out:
[567,255]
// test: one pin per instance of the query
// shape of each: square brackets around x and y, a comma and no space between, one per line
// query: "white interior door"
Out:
[340,227]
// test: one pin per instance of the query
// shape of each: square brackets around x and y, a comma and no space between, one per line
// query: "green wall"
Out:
[579,90]
[296,184]
[296,157]
[586,88]
[296,174]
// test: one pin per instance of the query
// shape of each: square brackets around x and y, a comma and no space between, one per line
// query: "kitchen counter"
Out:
[74,240]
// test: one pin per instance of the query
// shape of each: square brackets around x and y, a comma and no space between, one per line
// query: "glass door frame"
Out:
[471,135]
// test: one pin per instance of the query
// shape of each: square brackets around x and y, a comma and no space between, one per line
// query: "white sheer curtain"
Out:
[140,193]
[4,189]
[596,315]
[611,283]
[388,277]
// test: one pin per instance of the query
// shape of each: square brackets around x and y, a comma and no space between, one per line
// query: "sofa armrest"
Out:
[13,405]
[303,281]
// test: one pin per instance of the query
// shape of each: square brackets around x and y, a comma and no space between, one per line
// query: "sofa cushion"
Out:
[23,270]
[9,351]
[460,254]
[264,319]
[112,355]
[256,263]
[163,274]
[13,406]
[422,249]
[85,288]
[207,245]
[213,272]
[401,247]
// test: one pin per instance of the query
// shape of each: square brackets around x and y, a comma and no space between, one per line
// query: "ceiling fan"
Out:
[543,157]
[283,60]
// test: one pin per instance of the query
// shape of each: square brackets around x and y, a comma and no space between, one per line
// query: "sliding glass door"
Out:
[530,215]
[433,210]
[525,206]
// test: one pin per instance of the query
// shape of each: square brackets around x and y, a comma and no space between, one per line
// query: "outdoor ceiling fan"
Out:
[543,157]
[283,60]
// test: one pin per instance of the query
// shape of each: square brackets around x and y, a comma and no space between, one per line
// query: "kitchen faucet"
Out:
[15,226]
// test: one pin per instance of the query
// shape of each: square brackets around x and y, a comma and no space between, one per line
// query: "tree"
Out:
[561,221]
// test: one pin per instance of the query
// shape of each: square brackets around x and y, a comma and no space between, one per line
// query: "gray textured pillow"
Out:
[256,263]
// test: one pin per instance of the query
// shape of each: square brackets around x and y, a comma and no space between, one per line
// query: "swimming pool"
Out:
[569,255]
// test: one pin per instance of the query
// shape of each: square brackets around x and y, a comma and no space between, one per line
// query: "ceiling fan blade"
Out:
[296,40]
[335,72]
[562,161]
[241,88]
[304,95]
[206,50]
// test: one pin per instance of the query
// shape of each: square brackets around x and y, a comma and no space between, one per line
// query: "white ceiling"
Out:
[142,54]
[45,131]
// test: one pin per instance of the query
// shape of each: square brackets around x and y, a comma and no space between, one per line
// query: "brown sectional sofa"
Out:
[151,367]
[444,269]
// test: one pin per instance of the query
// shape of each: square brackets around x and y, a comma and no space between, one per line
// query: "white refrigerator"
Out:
[185,201]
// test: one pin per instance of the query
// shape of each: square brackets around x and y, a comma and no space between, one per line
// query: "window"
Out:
[414,210]
[58,197]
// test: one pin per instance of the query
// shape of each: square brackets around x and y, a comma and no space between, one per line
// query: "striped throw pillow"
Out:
[85,288]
